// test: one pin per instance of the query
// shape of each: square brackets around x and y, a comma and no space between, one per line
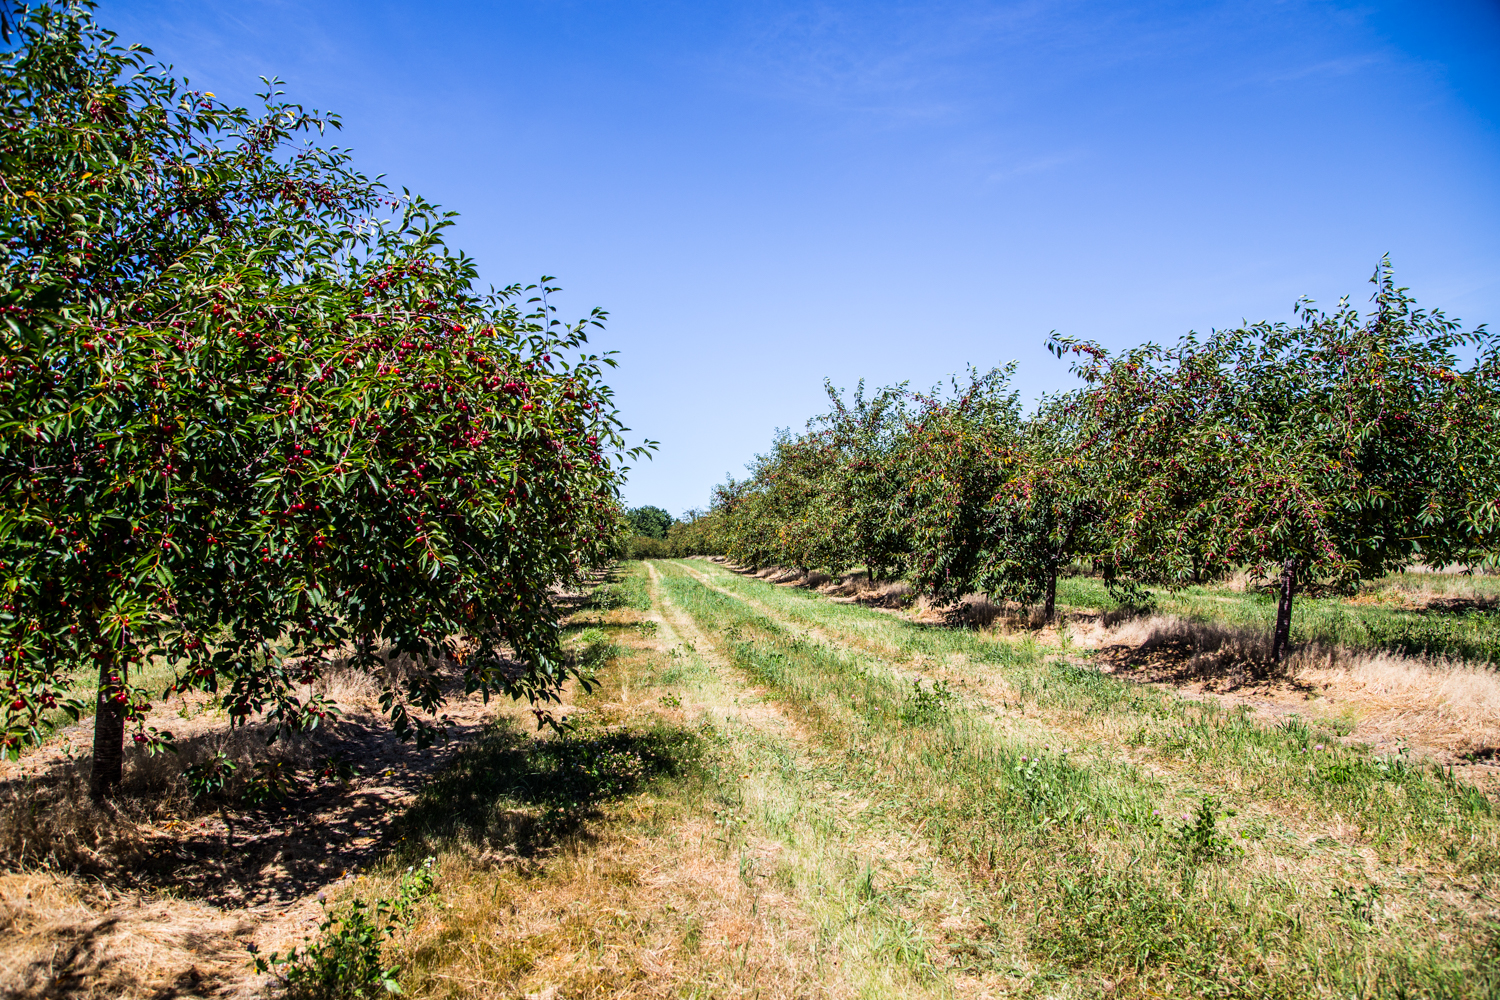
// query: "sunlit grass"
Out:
[1090,861]
[680,841]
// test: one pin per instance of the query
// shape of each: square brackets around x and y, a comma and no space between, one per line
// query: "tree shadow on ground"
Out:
[154,836]
[515,795]
[1458,606]
[595,596]
[1181,661]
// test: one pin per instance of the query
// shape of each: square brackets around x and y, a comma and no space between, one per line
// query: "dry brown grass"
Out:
[1453,706]
[634,913]
[1170,647]
[63,938]
[1448,707]
[146,896]
[47,819]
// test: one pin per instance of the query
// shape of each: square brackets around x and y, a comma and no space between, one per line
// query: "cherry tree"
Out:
[1337,449]
[252,406]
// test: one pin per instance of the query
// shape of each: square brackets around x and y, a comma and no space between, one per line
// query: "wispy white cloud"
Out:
[1037,165]
[906,63]
[1343,66]
[909,63]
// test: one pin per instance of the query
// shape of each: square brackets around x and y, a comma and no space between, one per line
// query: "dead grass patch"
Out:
[63,939]
[1175,649]
[1450,708]
[1448,705]
[654,906]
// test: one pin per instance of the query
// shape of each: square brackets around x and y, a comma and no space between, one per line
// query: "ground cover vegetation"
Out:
[254,411]
[1311,455]
[773,792]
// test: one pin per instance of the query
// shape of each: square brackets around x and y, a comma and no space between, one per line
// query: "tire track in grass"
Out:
[992,692]
[1120,893]
[756,876]
[810,631]
[885,902]
[856,716]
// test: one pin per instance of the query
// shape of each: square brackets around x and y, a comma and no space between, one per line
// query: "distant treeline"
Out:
[651,533]
[1334,449]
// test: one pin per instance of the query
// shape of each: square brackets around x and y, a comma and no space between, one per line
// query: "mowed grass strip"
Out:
[680,841]
[1088,852]
[1408,812]
[899,918]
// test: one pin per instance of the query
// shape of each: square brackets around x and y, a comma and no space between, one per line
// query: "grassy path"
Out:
[708,847]
[1301,870]
[884,905]
[771,794]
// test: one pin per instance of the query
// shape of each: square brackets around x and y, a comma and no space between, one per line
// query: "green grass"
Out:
[1075,848]
[674,773]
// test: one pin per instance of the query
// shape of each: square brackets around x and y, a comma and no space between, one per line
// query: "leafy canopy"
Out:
[251,406]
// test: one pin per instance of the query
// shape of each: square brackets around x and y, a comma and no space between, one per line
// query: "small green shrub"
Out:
[1199,839]
[346,959]
[927,704]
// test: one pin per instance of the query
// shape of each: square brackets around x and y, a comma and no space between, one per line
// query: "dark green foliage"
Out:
[1324,452]
[1334,450]
[696,533]
[649,522]
[251,406]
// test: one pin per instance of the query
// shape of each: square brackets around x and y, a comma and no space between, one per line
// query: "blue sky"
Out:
[765,194]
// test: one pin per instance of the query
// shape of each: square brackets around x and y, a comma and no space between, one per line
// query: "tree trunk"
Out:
[109,730]
[1049,610]
[1284,611]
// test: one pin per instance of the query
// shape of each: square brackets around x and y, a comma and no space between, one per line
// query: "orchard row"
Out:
[1332,449]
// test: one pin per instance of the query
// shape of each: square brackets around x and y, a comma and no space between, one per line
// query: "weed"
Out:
[927,704]
[346,960]
[1358,906]
[1198,839]
[210,776]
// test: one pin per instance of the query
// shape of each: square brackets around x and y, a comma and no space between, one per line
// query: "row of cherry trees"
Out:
[1331,449]
[253,410]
